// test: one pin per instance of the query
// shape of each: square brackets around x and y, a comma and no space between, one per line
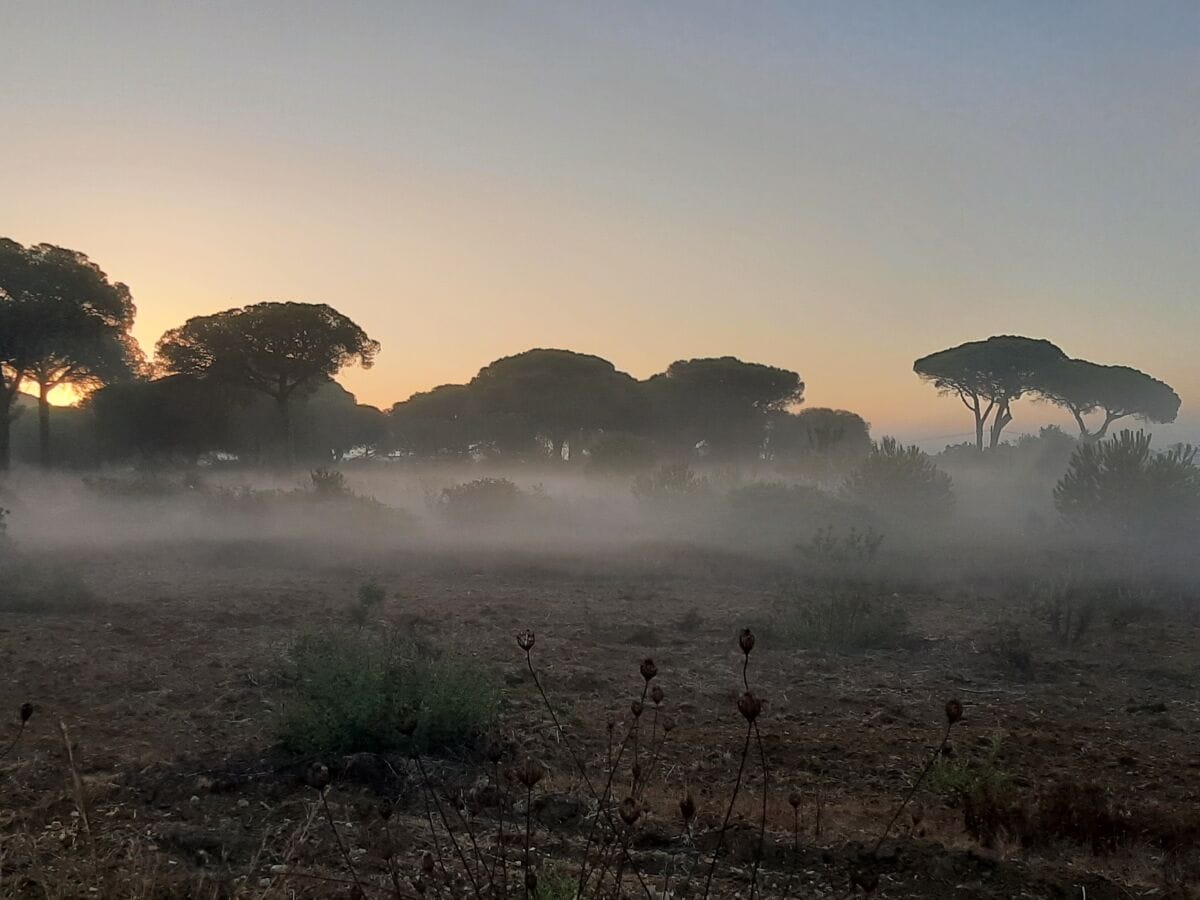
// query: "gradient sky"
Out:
[836,187]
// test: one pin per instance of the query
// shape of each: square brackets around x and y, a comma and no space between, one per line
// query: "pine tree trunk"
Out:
[44,424]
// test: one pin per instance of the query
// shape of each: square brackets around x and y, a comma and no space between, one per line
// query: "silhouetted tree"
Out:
[281,350]
[723,403]
[63,322]
[177,418]
[330,422]
[827,434]
[1084,387]
[559,395]
[987,376]
[433,423]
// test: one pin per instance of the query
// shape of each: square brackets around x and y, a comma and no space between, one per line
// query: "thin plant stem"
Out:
[737,784]
[391,861]
[500,834]
[528,831]
[13,742]
[341,846]
[446,824]
[913,790]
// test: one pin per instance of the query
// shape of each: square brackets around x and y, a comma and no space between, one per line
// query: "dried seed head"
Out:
[749,706]
[408,725]
[954,711]
[427,863]
[525,640]
[687,808]
[648,669]
[794,799]
[530,772]
[317,776]
[746,641]
[630,811]
[495,752]
[637,772]
[636,707]
[26,712]
[385,809]
[611,724]
[531,882]
[656,694]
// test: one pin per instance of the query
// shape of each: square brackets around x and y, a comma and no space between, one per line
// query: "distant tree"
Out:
[987,376]
[901,482]
[176,418]
[282,350]
[723,403]
[433,423]
[330,422]
[1123,485]
[1084,387]
[831,435]
[558,395]
[62,322]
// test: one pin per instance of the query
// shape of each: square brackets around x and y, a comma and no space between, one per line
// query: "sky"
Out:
[836,188]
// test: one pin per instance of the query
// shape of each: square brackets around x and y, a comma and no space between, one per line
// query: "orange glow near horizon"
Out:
[834,194]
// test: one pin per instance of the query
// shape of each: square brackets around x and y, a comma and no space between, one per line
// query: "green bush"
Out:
[669,483]
[356,691]
[971,775]
[329,483]
[1122,484]
[902,483]
[847,618]
[485,501]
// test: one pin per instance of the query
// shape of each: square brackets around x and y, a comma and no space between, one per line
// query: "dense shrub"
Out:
[357,691]
[484,501]
[901,482]
[1122,484]
[834,551]
[848,617]
[668,483]
[329,483]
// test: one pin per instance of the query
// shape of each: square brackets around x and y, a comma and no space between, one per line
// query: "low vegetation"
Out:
[360,691]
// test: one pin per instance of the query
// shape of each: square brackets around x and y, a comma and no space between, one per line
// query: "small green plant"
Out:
[370,596]
[834,550]
[1011,651]
[329,483]
[1068,609]
[554,885]
[668,483]
[971,774]
[848,617]
[358,691]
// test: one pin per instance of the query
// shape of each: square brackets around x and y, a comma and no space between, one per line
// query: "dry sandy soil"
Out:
[169,691]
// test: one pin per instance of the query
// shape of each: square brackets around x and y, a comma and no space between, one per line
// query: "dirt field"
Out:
[169,689]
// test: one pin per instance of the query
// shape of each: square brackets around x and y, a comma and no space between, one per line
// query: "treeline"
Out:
[256,382]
